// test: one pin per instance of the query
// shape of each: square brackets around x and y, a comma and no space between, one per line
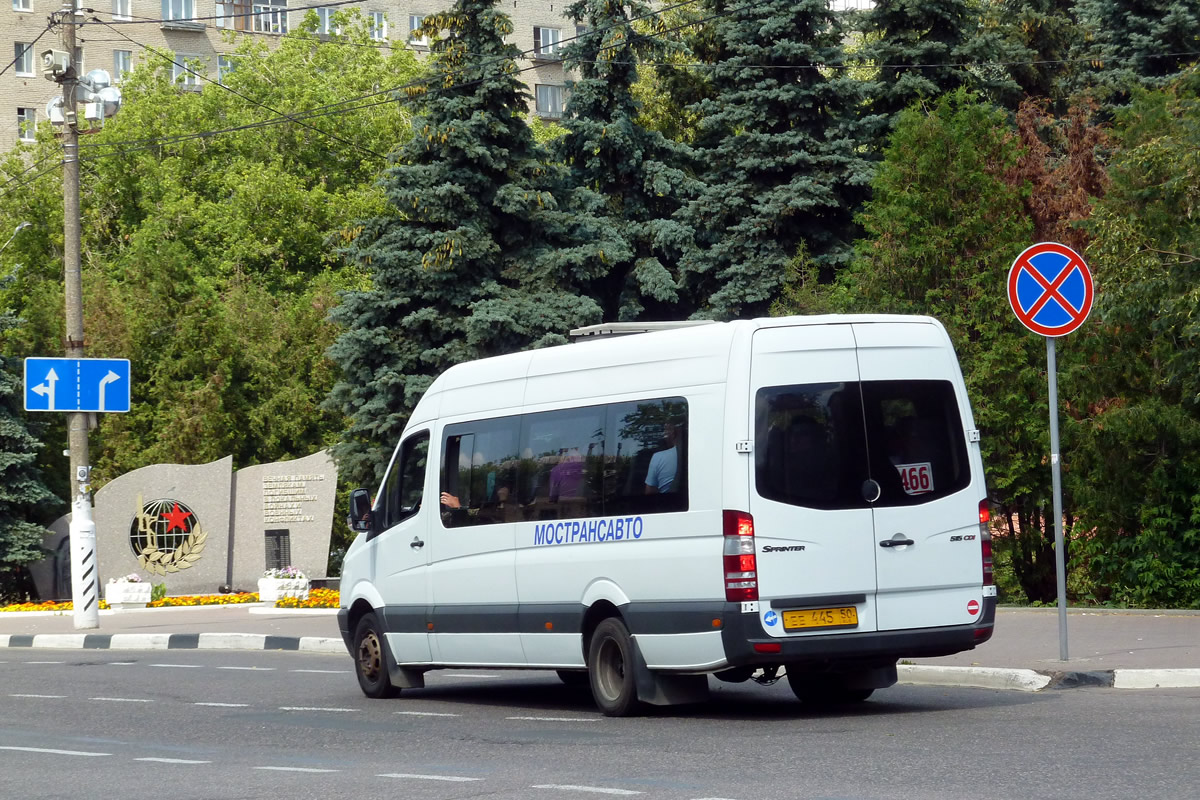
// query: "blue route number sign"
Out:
[77,384]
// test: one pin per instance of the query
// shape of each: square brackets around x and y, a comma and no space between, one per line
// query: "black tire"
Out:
[822,691]
[610,669]
[575,678]
[370,659]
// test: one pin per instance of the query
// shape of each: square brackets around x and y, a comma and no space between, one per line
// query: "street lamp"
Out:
[20,227]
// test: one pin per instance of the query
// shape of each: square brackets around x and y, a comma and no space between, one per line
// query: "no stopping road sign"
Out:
[1050,289]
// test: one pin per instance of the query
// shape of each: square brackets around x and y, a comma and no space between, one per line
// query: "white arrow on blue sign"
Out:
[77,384]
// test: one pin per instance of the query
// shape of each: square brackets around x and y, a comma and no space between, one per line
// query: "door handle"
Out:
[895,542]
[417,544]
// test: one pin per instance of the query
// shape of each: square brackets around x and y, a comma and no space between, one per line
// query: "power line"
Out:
[27,49]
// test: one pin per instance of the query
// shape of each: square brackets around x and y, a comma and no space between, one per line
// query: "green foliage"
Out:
[625,182]
[158,591]
[460,261]
[23,495]
[1130,44]
[206,257]
[1137,427]
[782,170]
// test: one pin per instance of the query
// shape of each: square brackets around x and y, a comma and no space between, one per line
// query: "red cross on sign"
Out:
[1050,289]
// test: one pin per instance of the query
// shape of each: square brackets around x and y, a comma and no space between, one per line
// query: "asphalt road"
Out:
[228,724]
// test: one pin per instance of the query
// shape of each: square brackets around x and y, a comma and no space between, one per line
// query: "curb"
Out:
[174,641]
[1028,680]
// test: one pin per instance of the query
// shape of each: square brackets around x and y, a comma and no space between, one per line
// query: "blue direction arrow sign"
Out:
[77,384]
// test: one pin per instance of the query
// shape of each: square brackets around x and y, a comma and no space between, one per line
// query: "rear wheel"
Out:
[371,660]
[610,668]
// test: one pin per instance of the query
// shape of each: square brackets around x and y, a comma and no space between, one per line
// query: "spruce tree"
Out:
[626,181]
[784,170]
[1125,44]
[23,495]
[459,268]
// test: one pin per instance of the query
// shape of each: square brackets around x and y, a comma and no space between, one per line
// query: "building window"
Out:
[79,70]
[122,9]
[270,16]
[377,25]
[122,63]
[26,124]
[22,5]
[24,58]
[549,100]
[546,42]
[415,38]
[186,75]
[178,9]
[225,65]
[325,23]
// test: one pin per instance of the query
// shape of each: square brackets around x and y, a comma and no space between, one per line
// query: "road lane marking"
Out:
[594,789]
[123,699]
[297,769]
[178,666]
[557,719]
[52,751]
[41,696]
[450,778]
[224,705]
[121,663]
[45,662]
[424,714]
[314,708]
[172,760]
[251,669]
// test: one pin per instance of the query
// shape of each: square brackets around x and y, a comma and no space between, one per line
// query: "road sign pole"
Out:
[85,579]
[1060,559]
[77,422]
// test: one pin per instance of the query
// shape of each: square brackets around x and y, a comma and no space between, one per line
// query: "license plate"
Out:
[845,617]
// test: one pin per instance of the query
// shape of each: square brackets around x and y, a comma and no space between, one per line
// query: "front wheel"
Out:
[371,660]
[610,669]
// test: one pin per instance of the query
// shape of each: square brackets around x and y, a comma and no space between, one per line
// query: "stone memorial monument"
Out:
[197,528]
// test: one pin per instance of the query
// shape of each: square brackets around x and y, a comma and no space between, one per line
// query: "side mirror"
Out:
[360,510]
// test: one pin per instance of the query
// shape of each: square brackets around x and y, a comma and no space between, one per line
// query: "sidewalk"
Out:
[1121,648]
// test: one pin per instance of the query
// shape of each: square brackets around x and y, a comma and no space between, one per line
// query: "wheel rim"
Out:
[370,657]
[610,672]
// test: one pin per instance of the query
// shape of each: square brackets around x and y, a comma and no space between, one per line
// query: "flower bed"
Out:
[317,598]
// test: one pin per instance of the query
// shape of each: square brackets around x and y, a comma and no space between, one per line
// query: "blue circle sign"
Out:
[1050,289]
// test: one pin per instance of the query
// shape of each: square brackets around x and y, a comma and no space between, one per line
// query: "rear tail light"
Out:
[985,538]
[741,569]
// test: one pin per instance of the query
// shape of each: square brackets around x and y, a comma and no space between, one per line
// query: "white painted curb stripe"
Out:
[58,640]
[231,641]
[1156,678]
[1022,680]
[139,641]
[323,644]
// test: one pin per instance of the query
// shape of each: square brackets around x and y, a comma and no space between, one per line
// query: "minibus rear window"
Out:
[816,444]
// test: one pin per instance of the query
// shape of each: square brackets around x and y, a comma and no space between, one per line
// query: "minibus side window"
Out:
[646,471]
[479,472]
[562,461]
[406,481]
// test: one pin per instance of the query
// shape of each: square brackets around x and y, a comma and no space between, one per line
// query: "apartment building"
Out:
[193,31]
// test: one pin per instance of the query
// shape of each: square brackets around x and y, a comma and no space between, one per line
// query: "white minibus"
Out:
[799,497]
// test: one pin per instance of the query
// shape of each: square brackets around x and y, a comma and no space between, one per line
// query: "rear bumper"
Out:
[742,632]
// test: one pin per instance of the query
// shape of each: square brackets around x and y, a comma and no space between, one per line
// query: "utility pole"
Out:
[85,591]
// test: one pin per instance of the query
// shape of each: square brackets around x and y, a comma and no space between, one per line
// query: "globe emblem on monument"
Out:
[165,536]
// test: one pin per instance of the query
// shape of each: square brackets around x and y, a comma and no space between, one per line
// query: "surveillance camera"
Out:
[55,63]
[82,474]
